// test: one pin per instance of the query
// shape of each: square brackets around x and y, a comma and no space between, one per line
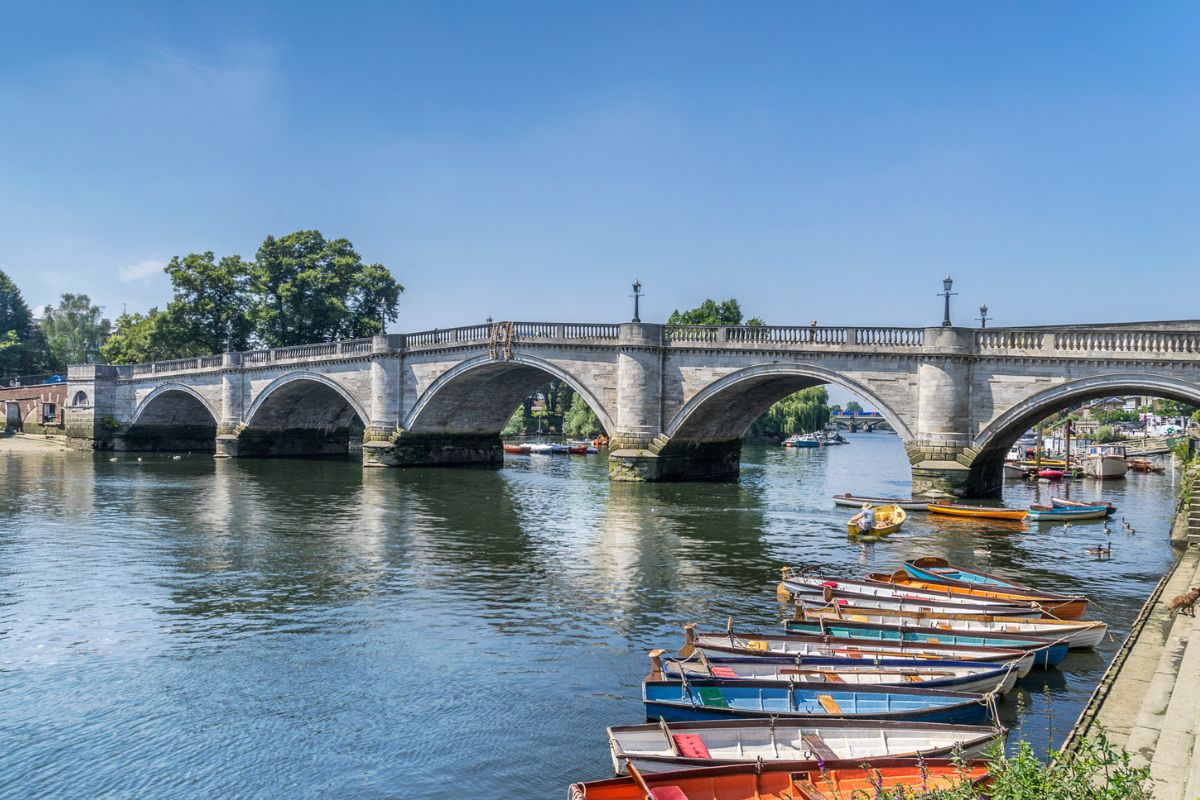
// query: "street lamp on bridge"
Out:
[983,317]
[947,283]
[637,296]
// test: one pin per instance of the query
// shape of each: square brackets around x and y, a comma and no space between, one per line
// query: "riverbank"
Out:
[22,443]
[1147,702]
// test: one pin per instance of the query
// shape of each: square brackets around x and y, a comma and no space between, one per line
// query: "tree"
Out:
[309,289]
[801,412]
[211,309]
[854,407]
[73,330]
[140,338]
[16,327]
[580,420]
[516,423]
[727,312]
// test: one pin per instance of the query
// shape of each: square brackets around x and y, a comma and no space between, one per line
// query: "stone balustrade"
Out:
[1070,341]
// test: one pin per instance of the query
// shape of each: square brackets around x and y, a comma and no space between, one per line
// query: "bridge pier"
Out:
[691,461]
[435,450]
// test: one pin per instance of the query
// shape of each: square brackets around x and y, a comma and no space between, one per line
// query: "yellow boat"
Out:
[888,519]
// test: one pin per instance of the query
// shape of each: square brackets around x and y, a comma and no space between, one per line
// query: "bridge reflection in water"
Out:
[310,624]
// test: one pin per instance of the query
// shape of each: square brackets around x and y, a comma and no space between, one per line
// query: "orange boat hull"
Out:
[1014,514]
[783,782]
[1056,606]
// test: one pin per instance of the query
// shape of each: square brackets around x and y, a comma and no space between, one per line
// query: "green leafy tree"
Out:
[16,328]
[710,312]
[138,338]
[580,420]
[210,310]
[854,407]
[309,289]
[516,424]
[1106,433]
[73,330]
[802,412]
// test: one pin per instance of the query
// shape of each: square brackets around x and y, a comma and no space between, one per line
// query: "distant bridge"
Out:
[676,400]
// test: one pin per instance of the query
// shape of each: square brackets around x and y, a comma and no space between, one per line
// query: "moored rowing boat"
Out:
[1058,605]
[978,512]
[1077,634]
[785,780]
[848,500]
[715,698]
[661,747]
[957,676]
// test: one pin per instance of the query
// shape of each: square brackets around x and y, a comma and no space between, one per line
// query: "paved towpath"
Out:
[1149,701]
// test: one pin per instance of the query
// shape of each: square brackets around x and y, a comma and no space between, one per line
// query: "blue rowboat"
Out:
[1057,514]
[1047,652]
[712,698]
[956,676]
[939,569]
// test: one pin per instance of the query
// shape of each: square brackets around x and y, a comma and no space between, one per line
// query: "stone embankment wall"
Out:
[1186,528]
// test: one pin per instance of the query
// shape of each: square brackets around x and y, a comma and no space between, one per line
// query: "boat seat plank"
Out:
[829,704]
[817,745]
[723,672]
[807,789]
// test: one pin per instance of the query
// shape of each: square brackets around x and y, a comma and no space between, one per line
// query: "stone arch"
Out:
[993,442]
[173,416]
[302,414]
[172,399]
[477,396]
[727,407]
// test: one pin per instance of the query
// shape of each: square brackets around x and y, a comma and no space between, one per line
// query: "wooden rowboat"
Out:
[1049,652]
[978,512]
[713,698]
[955,676]
[1078,634]
[516,448]
[1063,502]
[802,583]
[848,500]
[1061,606]
[808,602]
[661,747]
[785,780]
[790,645]
[888,519]
[1057,514]
[939,569]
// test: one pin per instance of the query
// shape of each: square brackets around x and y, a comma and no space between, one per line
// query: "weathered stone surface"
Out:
[672,399]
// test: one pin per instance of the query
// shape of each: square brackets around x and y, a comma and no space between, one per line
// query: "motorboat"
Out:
[1105,461]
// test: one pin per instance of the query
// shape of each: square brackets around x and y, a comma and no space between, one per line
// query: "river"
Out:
[199,628]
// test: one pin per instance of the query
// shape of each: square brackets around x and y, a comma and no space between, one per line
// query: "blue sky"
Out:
[528,160]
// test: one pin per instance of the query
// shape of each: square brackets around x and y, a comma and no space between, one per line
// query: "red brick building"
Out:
[34,409]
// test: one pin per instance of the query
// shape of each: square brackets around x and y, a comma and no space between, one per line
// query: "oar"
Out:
[638,779]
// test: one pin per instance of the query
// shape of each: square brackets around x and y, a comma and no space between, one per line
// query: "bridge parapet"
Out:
[1077,342]
[737,335]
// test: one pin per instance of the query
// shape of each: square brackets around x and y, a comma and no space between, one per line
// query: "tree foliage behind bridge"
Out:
[300,289]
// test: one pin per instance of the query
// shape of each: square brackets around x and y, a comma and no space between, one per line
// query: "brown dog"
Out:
[1185,603]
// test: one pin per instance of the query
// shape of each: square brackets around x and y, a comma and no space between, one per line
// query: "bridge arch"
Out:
[478,396]
[301,414]
[174,416]
[727,407]
[993,442]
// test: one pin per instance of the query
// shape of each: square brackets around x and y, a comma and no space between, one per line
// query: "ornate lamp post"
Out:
[489,320]
[947,283]
[637,296]
[983,317]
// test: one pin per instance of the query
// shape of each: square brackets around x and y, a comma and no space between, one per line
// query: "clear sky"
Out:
[528,160]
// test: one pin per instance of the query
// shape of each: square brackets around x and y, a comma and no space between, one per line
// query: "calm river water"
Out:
[199,628]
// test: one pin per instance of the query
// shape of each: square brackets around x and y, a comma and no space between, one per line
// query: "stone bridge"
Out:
[675,400]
